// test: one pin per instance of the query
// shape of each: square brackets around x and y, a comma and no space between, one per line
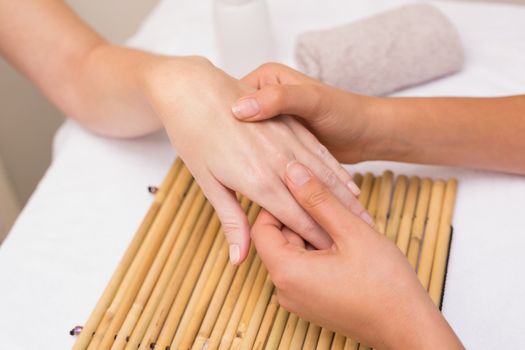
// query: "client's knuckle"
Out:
[322,151]
[231,228]
[329,178]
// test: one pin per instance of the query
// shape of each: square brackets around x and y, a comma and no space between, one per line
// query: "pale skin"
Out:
[121,92]
[484,133]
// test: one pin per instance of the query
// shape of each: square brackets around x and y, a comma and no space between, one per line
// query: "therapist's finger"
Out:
[293,238]
[321,204]
[303,101]
[280,203]
[272,246]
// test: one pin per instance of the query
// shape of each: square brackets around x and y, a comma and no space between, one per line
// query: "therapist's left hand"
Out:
[362,286]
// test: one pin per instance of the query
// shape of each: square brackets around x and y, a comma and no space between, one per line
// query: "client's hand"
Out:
[362,286]
[335,116]
[193,99]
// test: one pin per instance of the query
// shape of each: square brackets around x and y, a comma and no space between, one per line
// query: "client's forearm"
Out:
[486,133]
[87,78]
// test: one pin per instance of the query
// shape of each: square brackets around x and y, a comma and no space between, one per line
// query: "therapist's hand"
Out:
[362,286]
[335,116]
[193,99]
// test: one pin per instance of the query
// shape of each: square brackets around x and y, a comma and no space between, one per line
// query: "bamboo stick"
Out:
[312,335]
[214,259]
[191,275]
[299,335]
[197,291]
[277,329]
[257,316]
[405,226]
[157,295]
[266,323]
[250,304]
[442,245]
[220,277]
[113,316]
[418,225]
[220,294]
[424,266]
[166,258]
[351,344]
[217,316]
[364,347]
[339,342]
[383,204]
[229,332]
[175,277]
[374,197]
[398,202]
[325,339]
[366,189]
[131,252]
[289,331]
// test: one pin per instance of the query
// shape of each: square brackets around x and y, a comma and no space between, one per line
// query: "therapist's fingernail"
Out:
[367,218]
[353,188]
[298,173]
[235,253]
[246,108]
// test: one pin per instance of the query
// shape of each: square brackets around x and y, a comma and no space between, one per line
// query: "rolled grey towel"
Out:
[389,51]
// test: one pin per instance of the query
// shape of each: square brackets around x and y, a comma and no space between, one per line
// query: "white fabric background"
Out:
[70,236]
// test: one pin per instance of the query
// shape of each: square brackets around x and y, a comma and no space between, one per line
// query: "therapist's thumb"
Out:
[273,100]
[321,204]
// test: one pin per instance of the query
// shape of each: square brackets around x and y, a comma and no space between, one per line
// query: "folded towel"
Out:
[377,55]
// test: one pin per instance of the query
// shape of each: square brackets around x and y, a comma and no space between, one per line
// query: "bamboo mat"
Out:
[175,288]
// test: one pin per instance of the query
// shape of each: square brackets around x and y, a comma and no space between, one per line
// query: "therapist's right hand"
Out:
[362,286]
[339,119]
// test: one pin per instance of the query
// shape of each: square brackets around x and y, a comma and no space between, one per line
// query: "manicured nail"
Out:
[297,173]
[367,218]
[353,188]
[235,253]
[246,108]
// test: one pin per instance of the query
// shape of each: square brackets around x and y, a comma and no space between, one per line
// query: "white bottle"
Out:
[244,36]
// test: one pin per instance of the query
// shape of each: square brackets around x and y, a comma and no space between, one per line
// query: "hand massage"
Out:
[273,219]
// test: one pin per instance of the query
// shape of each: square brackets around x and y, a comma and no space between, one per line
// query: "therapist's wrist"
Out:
[420,325]
[385,136]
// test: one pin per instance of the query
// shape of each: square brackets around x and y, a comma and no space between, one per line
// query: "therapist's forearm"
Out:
[486,133]
[87,78]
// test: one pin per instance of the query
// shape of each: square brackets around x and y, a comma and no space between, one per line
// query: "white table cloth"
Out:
[72,233]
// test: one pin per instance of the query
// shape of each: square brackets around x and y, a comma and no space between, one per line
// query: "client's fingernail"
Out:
[235,253]
[353,188]
[297,173]
[367,218]
[246,108]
